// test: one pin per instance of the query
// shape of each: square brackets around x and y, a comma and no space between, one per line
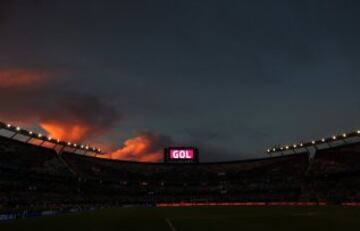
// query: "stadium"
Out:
[42,180]
[179,115]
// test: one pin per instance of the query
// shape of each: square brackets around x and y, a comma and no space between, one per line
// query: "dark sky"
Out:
[233,77]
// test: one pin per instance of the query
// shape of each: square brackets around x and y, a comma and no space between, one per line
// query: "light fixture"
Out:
[334,137]
[39,135]
[18,128]
[8,125]
[344,135]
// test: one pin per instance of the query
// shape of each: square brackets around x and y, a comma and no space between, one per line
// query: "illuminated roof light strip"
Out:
[313,142]
[49,138]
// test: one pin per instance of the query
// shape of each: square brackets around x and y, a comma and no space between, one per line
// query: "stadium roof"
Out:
[344,137]
[32,135]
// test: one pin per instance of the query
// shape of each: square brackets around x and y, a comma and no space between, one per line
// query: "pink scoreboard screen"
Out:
[181,155]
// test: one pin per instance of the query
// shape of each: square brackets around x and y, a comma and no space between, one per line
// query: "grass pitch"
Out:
[200,218]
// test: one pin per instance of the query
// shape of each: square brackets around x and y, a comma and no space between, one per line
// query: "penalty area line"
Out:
[171,225]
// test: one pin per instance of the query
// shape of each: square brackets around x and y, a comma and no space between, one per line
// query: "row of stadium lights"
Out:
[50,139]
[312,143]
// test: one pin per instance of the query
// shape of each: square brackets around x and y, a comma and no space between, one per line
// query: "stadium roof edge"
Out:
[344,137]
[17,130]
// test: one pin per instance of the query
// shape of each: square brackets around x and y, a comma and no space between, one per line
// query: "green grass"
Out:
[201,218]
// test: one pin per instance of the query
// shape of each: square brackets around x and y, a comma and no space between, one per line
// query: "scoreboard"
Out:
[181,155]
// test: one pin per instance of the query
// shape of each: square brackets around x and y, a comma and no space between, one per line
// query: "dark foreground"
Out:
[202,218]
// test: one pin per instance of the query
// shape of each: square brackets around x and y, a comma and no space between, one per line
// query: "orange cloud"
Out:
[18,78]
[145,146]
[63,131]
[77,119]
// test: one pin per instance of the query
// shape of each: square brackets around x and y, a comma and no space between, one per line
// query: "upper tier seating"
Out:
[30,158]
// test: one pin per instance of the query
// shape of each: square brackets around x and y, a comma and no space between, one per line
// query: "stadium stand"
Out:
[344,158]
[38,178]
[22,157]
[335,173]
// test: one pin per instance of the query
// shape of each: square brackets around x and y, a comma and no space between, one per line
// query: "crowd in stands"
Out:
[37,178]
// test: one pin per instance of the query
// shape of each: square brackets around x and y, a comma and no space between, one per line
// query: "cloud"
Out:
[11,78]
[149,147]
[25,93]
[37,98]
[77,119]
[80,118]
[145,146]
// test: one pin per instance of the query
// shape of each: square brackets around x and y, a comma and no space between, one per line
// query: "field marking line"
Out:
[171,225]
